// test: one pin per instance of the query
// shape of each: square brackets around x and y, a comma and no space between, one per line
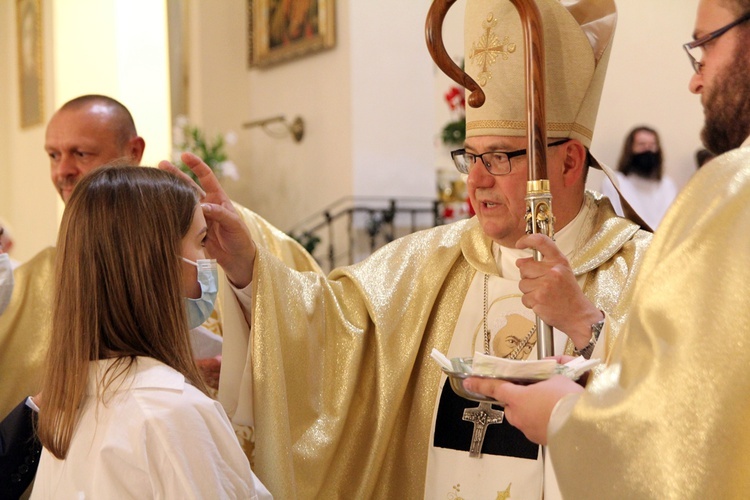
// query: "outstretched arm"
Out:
[228,239]
[550,289]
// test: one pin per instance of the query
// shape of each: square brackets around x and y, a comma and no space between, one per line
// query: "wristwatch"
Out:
[596,329]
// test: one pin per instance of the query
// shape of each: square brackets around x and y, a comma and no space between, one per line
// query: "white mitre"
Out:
[577,41]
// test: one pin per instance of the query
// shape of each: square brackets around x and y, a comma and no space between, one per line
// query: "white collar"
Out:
[145,373]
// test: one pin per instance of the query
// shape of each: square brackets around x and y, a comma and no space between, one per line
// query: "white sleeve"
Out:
[236,381]
[192,451]
[560,413]
[244,298]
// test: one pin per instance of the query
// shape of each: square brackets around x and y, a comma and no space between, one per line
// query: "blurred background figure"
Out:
[641,178]
[6,242]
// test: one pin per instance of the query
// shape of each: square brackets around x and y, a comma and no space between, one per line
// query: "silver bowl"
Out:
[462,370]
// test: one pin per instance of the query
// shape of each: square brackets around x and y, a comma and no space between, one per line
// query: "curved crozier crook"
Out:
[434,36]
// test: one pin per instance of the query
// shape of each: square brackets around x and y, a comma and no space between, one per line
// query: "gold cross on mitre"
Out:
[485,52]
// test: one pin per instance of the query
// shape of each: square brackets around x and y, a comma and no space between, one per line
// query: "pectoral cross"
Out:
[482,417]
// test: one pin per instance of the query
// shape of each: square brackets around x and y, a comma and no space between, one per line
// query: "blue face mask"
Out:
[198,310]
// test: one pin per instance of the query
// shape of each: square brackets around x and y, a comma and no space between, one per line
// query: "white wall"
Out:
[368,119]
[393,112]
[282,180]
[27,200]
[121,52]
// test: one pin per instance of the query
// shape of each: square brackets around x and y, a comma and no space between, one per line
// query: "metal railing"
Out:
[351,228]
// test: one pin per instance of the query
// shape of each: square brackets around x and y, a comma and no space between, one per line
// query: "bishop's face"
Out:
[500,200]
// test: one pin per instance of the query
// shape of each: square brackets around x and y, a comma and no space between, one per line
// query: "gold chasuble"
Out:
[25,329]
[336,375]
[25,325]
[670,417]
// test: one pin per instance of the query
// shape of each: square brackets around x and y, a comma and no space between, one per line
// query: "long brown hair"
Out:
[625,164]
[118,289]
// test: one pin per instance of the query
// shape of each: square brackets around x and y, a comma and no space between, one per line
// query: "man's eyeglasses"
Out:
[696,55]
[496,162]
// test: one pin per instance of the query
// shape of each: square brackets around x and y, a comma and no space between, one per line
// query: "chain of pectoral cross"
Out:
[484,415]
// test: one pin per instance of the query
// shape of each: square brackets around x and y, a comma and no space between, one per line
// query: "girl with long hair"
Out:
[641,178]
[125,411]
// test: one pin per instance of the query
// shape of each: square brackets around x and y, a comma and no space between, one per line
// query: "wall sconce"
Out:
[296,128]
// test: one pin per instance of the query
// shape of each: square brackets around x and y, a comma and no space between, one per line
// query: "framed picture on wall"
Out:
[31,81]
[281,30]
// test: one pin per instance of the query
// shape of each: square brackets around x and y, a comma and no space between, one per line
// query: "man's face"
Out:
[499,201]
[78,141]
[724,81]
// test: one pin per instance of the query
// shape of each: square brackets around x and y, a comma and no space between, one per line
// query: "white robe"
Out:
[648,197]
[155,436]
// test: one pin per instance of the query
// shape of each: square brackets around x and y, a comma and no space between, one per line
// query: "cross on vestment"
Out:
[482,417]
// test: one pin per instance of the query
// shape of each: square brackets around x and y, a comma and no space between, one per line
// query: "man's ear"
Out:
[136,146]
[574,163]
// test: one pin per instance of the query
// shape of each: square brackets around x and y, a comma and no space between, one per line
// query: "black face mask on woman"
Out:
[644,164]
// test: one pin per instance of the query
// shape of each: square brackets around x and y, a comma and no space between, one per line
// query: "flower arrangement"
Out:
[187,138]
[454,132]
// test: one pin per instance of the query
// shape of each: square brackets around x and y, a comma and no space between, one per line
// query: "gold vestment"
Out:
[669,418]
[343,387]
[25,324]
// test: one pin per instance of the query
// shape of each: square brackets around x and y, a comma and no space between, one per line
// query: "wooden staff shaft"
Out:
[536,118]
[539,217]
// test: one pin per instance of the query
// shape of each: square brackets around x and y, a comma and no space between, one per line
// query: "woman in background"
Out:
[126,413]
[641,177]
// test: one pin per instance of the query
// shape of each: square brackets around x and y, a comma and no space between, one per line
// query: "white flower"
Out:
[181,121]
[230,138]
[178,136]
[229,169]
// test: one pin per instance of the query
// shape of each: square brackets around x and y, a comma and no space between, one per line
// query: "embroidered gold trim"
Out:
[521,125]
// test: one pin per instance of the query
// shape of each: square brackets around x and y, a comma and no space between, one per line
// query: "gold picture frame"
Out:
[281,30]
[30,75]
